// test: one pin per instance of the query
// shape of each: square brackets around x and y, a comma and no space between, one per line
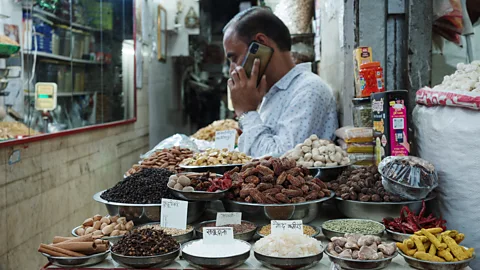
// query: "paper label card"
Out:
[217,235]
[225,139]
[286,226]
[174,214]
[224,218]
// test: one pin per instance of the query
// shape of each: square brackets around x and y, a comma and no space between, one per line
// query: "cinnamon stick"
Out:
[51,252]
[67,252]
[83,247]
[84,238]
[59,239]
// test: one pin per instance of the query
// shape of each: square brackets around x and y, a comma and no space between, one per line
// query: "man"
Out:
[293,103]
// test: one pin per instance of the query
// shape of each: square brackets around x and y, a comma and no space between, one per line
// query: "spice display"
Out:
[74,246]
[208,133]
[170,231]
[244,227]
[274,181]
[105,226]
[11,130]
[408,222]
[362,112]
[314,152]
[362,184]
[465,79]
[307,230]
[436,245]
[166,158]
[360,226]
[288,246]
[213,157]
[145,187]
[200,249]
[360,247]
[209,182]
[145,242]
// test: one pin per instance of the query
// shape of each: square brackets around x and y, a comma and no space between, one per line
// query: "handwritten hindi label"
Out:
[174,214]
[225,139]
[286,226]
[217,235]
[224,218]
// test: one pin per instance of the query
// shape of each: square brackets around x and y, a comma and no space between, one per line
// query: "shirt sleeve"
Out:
[300,119]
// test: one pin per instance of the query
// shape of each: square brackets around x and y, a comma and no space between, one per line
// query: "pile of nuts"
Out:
[274,181]
[105,226]
[166,158]
[314,152]
[198,182]
[213,157]
[362,184]
[208,133]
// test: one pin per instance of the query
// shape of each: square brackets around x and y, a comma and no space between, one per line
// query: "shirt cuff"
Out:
[250,119]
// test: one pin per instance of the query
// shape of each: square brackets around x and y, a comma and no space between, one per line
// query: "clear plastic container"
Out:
[362,112]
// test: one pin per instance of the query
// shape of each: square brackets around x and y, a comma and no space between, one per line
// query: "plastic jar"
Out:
[371,79]
[362,112]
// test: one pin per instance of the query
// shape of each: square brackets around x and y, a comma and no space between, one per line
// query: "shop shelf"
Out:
[62,58]
[55,18]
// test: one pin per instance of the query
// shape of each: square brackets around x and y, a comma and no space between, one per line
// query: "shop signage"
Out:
[225,139]
[224,218]
[217,235]
[173,214]
[286,226]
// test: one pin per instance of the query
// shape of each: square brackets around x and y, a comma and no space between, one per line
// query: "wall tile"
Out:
[26,256]
[24,221]
[24,168]
[56,202]
[3,232]
[23,189]
[3,262]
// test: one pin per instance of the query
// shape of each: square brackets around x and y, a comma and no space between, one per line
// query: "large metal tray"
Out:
[426,265]
[246,236]
[300,263]
[352,264]
[147,261]
[215,263]
[330,234]
[327,174]
[77,261]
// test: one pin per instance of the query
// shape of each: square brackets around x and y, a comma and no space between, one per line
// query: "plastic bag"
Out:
[355,134]
[180,140]
[362,159]
[356,147]
[202,144]
[449,23]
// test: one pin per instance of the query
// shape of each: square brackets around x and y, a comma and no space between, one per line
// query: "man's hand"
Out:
[245,94]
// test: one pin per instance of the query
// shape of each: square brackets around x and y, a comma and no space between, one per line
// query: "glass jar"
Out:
[371,79]
[362,112]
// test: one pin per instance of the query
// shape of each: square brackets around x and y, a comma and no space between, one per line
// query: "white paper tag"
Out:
[224,218]
[225,139]
[174,214]
[286,226]
[217,235]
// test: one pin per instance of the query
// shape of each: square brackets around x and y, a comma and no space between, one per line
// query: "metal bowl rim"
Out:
[103,238]
[333,167]
[317,231]
[436,263]
[360,219]
[197,227]
[138,227]
[77,258]
[408,186]
[332,194]
[147,257]
[397,233]
[182,247]
[363,261]
[292,258]
[97,198]
[430,197]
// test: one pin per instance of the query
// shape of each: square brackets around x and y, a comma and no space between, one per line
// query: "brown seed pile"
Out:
[166,158]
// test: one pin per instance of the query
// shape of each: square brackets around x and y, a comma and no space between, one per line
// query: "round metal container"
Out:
[329,233]
[306,211]
[317,231]
[352,264]
[327,174]
[111,239]
[247,236]
[77,261]
[406,191]
[398,237]
[426,265]
[146,261]
[220,169]
[288,263]
[376,210]
[215,263]
[147,213]
[198,195]
[182,238]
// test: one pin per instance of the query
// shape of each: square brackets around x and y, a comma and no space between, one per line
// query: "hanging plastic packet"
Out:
[180,140]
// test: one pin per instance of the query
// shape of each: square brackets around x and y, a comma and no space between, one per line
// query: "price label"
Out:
[224,218]
[286,226]
[217,235]
[174,214]
[225,139]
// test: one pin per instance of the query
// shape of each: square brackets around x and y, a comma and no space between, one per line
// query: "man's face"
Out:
[235,49]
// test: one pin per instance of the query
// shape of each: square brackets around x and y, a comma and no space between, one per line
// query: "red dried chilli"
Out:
[408,222]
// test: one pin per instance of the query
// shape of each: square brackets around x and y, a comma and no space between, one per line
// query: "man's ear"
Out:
[263,39]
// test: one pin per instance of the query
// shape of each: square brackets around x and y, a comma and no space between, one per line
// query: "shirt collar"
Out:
[286,80]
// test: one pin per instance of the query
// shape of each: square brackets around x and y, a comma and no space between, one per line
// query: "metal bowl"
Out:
[376,210]
[306,211]
[399,237]
[77,261]
[426,265]
[198,195]
[147,213]
[220,169]
[288,263]
[327,174]
[181,238]
[111,239]
[215,263]
[406,191]
[317,231]
[352,264]
[146,261]
[329,233]
[246,236]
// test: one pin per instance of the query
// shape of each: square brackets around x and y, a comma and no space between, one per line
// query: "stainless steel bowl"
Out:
[77,261]
[329,233]
[376,210]
[215,263]
[399,237]
[147,213]
[220,169]
[182,238]
[406,191]
[352,264]
[306,211]
[111,239]
[327,174]
[198,195]
[426,265]
[247,236]
[288,263]
[147,261]
[317,231]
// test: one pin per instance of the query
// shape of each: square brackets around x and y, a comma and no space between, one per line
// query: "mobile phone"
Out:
[260,51]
